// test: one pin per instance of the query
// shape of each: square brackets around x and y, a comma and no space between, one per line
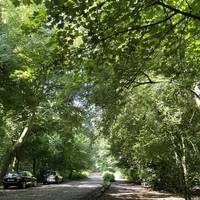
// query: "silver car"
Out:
[52,177]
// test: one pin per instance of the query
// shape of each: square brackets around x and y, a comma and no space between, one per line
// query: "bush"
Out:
[148,176]
[110,169]
[108,177]
[106,185]
[79,175]
[131,174]
[65,174]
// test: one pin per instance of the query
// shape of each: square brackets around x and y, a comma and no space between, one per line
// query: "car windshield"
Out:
[50,173]
[11,174]
[28,173]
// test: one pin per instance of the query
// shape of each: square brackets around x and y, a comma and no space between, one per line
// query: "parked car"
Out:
[21,179]
[51,176]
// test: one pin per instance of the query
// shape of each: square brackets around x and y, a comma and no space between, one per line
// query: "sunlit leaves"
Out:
[24,73]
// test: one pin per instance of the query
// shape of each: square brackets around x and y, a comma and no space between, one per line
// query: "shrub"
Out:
[108,177]
[79,175]
[106,185]
[131,174]
[110,169]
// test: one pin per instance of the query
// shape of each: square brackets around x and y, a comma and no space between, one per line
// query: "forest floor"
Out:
[122,190]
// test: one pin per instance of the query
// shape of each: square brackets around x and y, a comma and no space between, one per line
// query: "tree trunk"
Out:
[70,174]
[34,166]
[17,165]
[6,160]
[186,186]
[14,162]
[181,161]
[10,154]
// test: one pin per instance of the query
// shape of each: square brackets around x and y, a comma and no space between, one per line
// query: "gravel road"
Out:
[123,190]
[73,190]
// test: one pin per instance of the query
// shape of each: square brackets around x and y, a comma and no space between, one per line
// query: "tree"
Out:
[108,56]
[25,74]
[155,134]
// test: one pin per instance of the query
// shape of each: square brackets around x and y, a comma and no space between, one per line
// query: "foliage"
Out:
[38,95]
[146,136]
[104,159]
[131,175]
[123,73]
[106,185]
[79,175]
[108,176]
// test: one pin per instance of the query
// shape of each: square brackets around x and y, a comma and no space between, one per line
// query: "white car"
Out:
[52,177]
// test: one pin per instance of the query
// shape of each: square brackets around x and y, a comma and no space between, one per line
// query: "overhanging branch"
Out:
[187,14]
[137,27]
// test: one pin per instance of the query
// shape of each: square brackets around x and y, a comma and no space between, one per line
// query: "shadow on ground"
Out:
[122,191]
[73,190]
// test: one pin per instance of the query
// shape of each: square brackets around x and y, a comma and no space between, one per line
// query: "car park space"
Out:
[64,191]
[51,176]
[24,179]
[20,179]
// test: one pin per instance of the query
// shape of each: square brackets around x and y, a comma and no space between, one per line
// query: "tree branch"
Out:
[150,81]
[187,14]
[148,77]
[132,80]
[139,27]
[193,92]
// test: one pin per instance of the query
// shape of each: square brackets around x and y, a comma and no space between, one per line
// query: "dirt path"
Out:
[123,191]
[73,190]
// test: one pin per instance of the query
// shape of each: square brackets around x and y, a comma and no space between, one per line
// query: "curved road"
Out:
[73,190]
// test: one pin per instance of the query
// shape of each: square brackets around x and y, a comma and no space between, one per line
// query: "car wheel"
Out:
[57,180]
[34,183]
[5,186]
[23,185]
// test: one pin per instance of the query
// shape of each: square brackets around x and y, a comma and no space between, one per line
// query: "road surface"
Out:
[73,190]
[122,190]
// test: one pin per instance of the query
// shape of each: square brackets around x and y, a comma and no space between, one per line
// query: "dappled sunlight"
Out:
[68,190]
[118,176]
[123,191]
[104,86]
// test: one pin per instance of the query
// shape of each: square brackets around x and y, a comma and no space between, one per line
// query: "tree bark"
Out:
[14,162]
[186,186]
[34,166]
[6,160]
[70,174]
[17,165]
[181,161]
